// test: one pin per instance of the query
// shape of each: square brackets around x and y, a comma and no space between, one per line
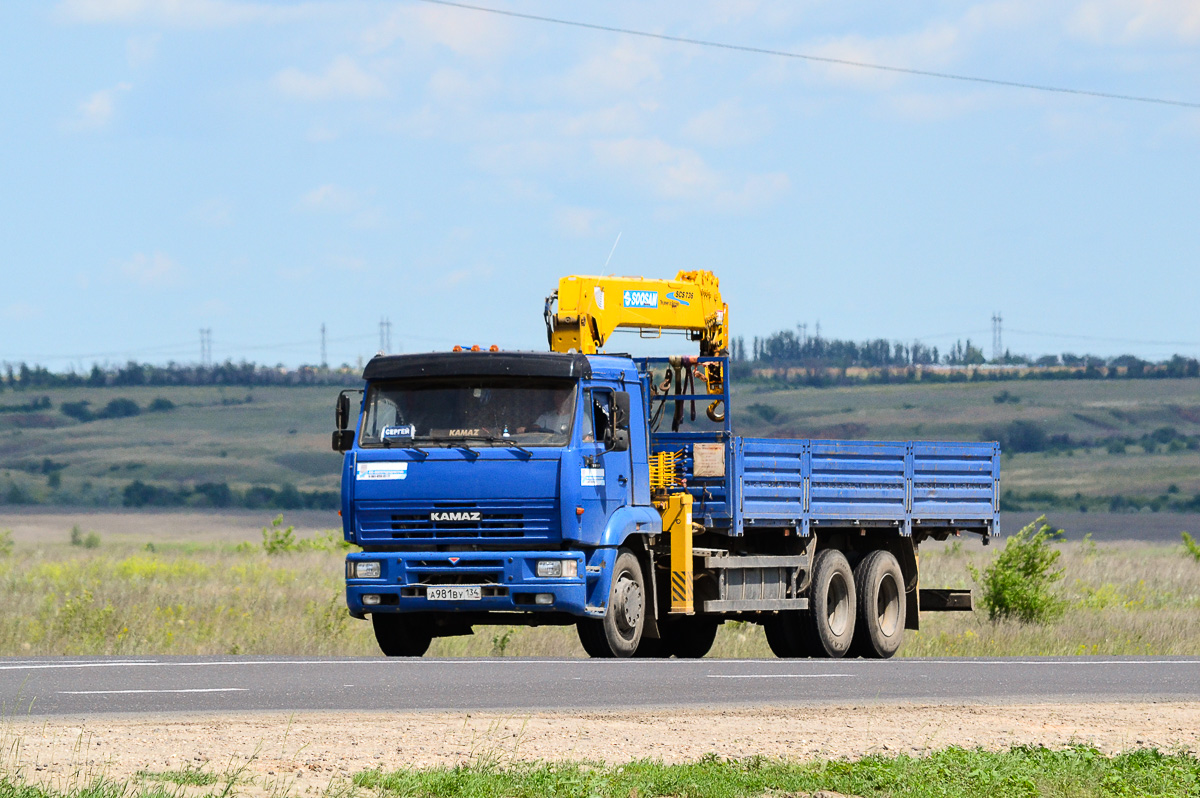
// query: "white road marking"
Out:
[187,690]
[51,665]
[776,675]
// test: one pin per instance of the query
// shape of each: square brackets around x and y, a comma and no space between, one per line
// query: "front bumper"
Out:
[507,580]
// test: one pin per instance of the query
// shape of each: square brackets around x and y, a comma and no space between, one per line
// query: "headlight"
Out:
[366,570]
[557,568]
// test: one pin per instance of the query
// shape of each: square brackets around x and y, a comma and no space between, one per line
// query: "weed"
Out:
[500,642]
[6,543]
[1018,582]
[186,777]
[1193,548]
[278,539]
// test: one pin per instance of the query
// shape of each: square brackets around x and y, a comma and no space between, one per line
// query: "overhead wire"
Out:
[1015,84]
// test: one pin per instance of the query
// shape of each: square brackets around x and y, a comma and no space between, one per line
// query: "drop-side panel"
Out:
[858,480]
[772,480]
[954,480]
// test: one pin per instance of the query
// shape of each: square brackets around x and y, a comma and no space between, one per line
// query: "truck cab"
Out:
[492,487]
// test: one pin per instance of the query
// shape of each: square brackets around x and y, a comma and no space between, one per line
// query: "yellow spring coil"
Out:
[664,473]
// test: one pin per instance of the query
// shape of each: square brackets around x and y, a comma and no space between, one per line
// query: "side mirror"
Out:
[343,440]
[617,435]
[342,413]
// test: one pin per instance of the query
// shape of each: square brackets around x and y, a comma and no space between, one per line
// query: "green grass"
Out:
[1079,772]
[1030,771]
[127,597]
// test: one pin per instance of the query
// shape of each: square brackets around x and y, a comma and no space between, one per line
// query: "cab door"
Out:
[605,475]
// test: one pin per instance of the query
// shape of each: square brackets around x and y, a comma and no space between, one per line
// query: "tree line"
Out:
[23,376]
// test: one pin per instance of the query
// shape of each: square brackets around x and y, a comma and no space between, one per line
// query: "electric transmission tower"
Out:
[324,360]
[997,337]
[206,347]
[385,335]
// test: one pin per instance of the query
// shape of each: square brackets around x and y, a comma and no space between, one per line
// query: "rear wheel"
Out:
[619,632]
[879,583]
[832,605]
[401,635]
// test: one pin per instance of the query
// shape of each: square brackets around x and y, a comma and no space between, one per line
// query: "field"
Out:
[195,584]
[1105,445]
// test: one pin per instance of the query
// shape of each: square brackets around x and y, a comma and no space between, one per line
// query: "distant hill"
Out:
[1092,445]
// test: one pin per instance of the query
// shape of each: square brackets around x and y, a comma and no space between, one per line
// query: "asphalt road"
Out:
[34,687]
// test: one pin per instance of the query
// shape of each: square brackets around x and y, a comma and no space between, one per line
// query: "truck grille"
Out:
[492,521]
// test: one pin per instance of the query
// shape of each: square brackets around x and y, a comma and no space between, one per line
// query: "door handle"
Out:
[622,480]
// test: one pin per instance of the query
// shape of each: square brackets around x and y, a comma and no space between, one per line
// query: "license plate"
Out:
[466,593]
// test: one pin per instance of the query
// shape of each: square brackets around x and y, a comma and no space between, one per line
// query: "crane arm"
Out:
[591,308]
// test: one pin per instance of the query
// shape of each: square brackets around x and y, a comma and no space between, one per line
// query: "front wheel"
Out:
[401,635]
[619,632]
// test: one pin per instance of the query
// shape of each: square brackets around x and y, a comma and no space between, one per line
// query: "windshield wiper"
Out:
[508,442]
[389,443]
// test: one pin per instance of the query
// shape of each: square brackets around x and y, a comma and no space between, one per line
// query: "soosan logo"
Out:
[641,299]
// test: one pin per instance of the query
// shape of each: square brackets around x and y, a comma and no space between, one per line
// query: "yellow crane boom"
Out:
[591,308]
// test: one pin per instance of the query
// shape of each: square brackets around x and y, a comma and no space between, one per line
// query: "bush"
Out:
[120,408]
[160,405]
[1018,583]
[6,542]
[77,410]
[89,541]
[1193,548]
[278,539]
[1018,436]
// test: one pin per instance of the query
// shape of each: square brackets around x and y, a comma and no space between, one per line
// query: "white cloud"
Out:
[151,270]
[184,13]
[1133,21]
[579,222]
[141,50]
[20,311]
[932,47]
[330,198]
[464,32]
[727,124]
[342,79]
[675,173]
[97,110]
[216,212]
[620,70]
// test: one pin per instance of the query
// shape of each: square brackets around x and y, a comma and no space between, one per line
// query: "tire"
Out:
[619,632]
[832,608]
[786,635]
[691,637]
[879,628]
[400,635]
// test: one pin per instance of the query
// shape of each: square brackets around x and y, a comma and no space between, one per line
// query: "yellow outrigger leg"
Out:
[677,519]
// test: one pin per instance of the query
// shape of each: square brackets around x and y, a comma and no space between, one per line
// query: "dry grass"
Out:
[221,598]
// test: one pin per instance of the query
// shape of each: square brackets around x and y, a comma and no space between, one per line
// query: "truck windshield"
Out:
[528,412]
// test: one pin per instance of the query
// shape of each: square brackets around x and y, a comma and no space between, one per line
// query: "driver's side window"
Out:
[601,413]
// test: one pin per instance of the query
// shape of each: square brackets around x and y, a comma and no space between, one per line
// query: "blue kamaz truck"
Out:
[538,488]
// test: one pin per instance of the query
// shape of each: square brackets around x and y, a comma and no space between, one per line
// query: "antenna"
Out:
[611,251]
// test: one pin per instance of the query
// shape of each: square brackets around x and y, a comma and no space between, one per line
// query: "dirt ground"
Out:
[308,752]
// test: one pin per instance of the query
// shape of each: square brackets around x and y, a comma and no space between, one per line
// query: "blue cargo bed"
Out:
[807,484]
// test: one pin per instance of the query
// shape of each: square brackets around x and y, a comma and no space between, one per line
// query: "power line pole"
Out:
[385,335]
[997,337]
[324,360]
[206,347]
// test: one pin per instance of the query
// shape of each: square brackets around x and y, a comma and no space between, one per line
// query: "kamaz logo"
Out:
[641,299]
[457,516]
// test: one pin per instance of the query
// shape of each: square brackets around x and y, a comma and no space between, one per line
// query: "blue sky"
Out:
[262,169]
